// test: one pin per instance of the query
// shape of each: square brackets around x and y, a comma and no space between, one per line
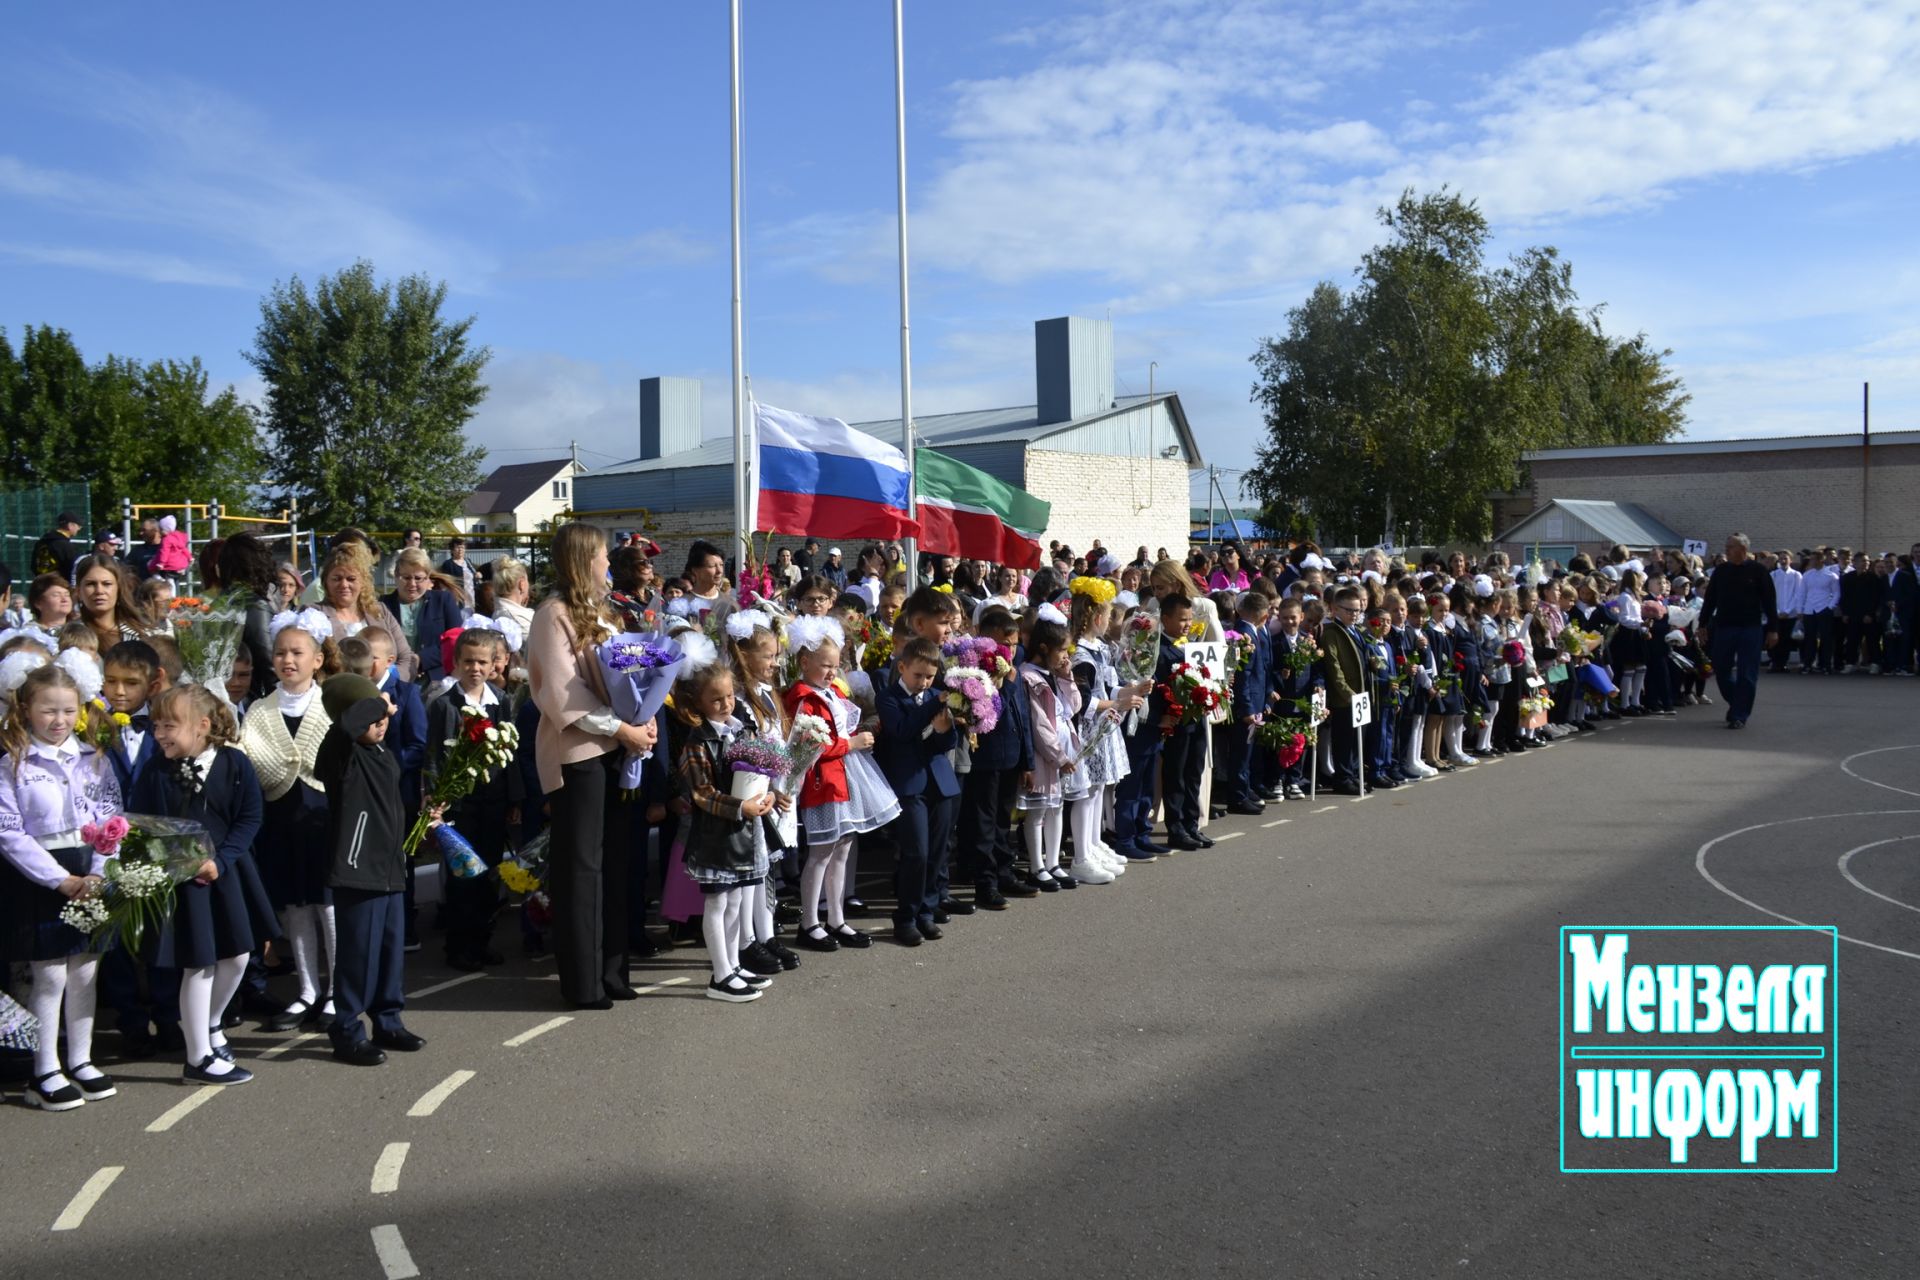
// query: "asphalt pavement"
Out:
[1326,1047]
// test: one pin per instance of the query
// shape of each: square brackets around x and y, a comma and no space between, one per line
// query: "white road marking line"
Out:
[1231,835]
[430,1100]
[386,1170]
[1277,822]
[84,1199]
[394,1258]
[1862,885]
[448,985]
[179,1111]
[656,986]
[549,1025]
[286,1045]
[1329,808]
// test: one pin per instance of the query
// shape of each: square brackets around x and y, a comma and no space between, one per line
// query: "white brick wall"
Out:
[1121,501]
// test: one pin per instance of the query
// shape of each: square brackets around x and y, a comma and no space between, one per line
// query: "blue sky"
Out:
[1735,178]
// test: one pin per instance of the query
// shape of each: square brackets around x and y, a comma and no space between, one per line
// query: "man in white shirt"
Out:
[1819,610]
[1786,595]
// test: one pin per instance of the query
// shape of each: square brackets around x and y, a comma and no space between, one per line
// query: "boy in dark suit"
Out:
[1133,799]
[368,876]
[484,814]
[987,795]
[1252,690]
[1344,663]
[407,739]
[916,732]
[1179,785]
[1292,693]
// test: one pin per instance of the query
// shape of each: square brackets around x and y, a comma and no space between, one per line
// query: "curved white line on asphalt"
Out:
[1861,885]
[448,985]
[550,1024]
[1700,865]
[86,1197]
[394,1258]
[386,1170]
[286,1045]
[1846,767]
[430,1100]
[179,1111]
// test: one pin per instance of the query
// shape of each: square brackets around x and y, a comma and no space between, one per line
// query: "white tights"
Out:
[825,873]
[721,924]
[68,982]
[756,916]
[1631,683]
[1043,839]
[205,993]
[1085,817]
[310,929]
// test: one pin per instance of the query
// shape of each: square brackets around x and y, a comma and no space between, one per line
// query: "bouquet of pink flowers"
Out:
[1137,653]
[147,857]
[756,764]
[971,697]
[982,652]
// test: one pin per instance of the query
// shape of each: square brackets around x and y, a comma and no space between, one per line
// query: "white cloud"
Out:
[159,268]
[597,259]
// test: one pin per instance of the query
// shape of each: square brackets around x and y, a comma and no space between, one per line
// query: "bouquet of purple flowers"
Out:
[756,764]
[639,670]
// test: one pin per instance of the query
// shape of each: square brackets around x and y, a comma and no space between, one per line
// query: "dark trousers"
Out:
[1180,779]
[1133,798]
[471,903]
[1659,680]
[1736,668]
[1862,645]
[1506,718]
[1236,763]
[1816,641]
[134,1008]
[1379,736]
[1783,645]
[1343,747]
[1192,772]
[985,832]
[588,863]
[369,958]
[920,837]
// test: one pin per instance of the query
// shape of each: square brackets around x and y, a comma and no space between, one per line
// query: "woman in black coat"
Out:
[247,564]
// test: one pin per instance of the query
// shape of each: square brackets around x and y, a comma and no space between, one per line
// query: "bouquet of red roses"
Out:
[479,745]
[1192,696]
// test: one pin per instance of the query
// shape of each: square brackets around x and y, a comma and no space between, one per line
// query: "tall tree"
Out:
[1401,404]
[149,432]
[369,390]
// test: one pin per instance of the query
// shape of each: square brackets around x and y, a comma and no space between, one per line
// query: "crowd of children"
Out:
[1026,734]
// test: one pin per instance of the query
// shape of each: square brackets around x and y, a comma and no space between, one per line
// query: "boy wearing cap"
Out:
[369,874]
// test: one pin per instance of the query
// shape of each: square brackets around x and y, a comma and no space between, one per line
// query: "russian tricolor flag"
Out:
[821,478]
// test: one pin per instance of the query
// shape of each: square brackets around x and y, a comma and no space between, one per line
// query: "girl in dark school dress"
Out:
[281,738]
[222,914]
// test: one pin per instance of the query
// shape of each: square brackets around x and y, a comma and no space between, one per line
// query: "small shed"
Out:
[1566,527]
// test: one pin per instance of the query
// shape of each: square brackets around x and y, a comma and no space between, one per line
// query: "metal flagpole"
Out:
[741,533]
[906,349]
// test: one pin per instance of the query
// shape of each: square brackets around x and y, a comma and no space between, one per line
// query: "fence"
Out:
[27,514]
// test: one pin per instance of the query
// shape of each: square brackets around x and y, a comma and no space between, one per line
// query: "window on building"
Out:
[560,489]
[479,526]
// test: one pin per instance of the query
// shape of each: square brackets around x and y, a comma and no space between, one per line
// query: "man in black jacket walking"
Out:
[1736,620]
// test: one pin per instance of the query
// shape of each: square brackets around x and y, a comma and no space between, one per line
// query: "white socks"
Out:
[309,928]
[825,876]
[721,924]
[69,981]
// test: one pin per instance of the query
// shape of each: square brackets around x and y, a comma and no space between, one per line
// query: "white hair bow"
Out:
[742,624]
[1048,613]
[810,633]
[17,666]
[310,620]
[85,670]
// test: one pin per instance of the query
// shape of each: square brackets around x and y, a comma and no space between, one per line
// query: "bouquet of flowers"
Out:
[1238,646]
[971,697]
[756,764]
[991,657]
[639,670]
[1192,696]
[1514,653]
[1476,717]
[1104,727]
[877,650]
[98,724]
[1137,653]
[806,741]
[148,856]
[1288,737]
[524,871]
[480,745]
[1302,656]
[1535,704]
[209,633]
[1576,643]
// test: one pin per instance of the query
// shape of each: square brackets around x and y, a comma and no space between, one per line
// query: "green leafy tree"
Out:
[1403,403]
[149,432]
[369,390]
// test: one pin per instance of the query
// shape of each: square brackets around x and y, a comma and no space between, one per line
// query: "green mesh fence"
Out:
[27,514]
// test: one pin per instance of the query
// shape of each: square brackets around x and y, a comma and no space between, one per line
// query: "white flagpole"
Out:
[906,348]
[741,498]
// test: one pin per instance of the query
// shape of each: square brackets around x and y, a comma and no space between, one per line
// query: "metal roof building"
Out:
[1113,467]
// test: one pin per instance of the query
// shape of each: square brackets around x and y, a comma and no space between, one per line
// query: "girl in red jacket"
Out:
[844,795]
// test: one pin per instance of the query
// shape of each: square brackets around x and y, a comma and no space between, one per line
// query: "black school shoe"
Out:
[400,1039]
[906,934]
[66,1098]
[817,938]
[1015,887]
[357,1053]
[758,961]
[955,907]
[987,897]
[234,1075]
[851,938]
[1064,880]
[780,951]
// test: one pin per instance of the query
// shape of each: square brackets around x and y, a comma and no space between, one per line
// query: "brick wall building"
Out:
[1789,491]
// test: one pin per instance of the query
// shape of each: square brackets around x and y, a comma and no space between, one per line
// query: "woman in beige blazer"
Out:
[575,750]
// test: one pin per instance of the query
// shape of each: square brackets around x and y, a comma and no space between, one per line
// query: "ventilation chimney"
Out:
[1073,367]
[669,416]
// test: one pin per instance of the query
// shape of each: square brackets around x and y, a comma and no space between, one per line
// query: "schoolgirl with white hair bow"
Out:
[281,738]
[753,651]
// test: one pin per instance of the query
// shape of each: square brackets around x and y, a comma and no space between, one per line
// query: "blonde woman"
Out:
[346,586]
[427,604]
[512,589]
[575,749]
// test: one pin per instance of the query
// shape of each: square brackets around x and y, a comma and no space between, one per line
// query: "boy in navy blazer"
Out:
[1252,689]
[916,732]
[406,739]
[992,786]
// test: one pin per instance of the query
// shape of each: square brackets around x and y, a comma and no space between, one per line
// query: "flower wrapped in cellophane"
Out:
[479,745]
[806,741]
[148,857]
[639,670]
[209,633]
[970,695]
[756,763]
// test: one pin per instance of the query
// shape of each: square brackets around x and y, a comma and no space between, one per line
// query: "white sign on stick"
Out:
[1362,710]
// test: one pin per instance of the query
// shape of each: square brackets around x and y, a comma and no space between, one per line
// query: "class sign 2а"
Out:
[1699,1049]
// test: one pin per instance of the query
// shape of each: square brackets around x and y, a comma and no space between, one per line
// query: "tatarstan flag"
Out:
[965,512]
